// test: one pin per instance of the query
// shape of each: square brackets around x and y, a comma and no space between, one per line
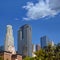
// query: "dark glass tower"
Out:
[25,40]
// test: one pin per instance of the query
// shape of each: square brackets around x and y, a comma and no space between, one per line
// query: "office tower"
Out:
[9,40]
[25,40]
[44,41]
[37,47]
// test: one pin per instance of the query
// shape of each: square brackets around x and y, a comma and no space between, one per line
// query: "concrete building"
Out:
[9,40]
[33,50]
[35,47]
[25,40]
[44,41]
[51,43]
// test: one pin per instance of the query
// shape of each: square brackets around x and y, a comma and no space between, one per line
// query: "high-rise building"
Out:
[9,40]
[44,41]
[25,40]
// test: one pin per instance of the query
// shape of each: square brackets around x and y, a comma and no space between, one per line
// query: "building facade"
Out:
[25,40]
[44,41]
[9,40]
[33,50]
[4,55]
[51,43]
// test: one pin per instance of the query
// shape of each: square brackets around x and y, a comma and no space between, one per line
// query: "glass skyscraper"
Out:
[25,40]
[44,41]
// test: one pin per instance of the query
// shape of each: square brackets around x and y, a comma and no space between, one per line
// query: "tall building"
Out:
[44,41]
[9,40]
[25,40]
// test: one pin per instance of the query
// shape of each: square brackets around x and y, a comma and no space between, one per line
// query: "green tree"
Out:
[57,51]
[48,53]
[26,58]
[39,54]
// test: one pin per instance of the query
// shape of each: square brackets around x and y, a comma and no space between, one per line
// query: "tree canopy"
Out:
[48,53]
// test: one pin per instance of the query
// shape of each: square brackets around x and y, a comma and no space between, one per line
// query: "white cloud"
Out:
[41,9]
[54,4]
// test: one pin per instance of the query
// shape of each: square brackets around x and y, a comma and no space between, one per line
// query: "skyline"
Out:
[32,41]
[12,13]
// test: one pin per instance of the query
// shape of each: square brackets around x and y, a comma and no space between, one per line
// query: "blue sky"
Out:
[43,17]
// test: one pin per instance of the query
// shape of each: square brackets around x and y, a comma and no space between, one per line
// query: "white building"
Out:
[9,40]
[33,50]
[52,43]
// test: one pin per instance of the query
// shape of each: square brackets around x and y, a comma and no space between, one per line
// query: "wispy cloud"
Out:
[16,18]
[41,9]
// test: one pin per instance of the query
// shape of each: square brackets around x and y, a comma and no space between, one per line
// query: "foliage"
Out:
[48,53]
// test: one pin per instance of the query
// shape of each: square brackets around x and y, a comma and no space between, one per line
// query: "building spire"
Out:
[9,40]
